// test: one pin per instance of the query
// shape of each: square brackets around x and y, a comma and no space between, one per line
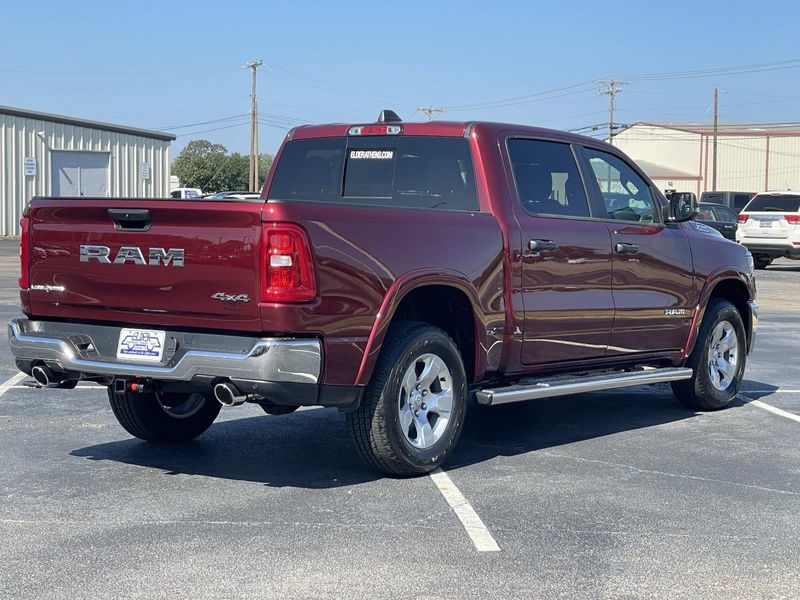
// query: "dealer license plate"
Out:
[141,344]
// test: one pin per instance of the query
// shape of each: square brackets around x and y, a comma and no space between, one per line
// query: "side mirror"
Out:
[683,206]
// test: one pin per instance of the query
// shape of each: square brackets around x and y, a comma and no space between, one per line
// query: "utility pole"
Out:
[430,111]
[253,178]
[611,87]
[716,128]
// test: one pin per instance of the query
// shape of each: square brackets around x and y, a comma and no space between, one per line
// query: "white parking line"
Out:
[477,531]
[772,391]
[775,411]
[9,383]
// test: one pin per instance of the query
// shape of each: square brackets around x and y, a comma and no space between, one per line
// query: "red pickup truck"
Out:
[395,271]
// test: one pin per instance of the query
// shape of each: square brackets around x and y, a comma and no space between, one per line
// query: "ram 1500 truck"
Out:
[393,270]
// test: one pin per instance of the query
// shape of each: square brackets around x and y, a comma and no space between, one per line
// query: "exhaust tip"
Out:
[227,395]
[42,375]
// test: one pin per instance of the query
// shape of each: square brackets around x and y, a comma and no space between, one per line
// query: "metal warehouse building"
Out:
[750,157]
[51,155]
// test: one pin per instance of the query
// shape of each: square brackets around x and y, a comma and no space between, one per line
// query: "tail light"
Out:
[288,265]
[793,219]
[743,218]
[24,252]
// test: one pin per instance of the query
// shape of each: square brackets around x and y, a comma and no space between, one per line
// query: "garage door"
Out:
[80,173]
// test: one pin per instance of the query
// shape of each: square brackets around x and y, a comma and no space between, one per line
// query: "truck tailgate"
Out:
[131,269]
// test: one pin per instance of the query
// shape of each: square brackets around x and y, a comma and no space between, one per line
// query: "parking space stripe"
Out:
[474,526]
[775,411]
[11,382]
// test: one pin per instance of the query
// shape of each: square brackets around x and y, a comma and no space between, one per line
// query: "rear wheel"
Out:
[413,410]
[718,359]
[161,417]
[761,262]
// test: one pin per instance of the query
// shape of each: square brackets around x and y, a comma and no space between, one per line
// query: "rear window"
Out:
[770,203]
[398,171]
[741,200]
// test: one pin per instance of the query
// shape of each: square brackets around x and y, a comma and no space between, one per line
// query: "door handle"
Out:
[627,248]
[539,245]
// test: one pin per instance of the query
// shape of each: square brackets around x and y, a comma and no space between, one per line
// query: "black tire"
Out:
[375,425]
[278,409]
[144,416]
[699,392]
[761,263]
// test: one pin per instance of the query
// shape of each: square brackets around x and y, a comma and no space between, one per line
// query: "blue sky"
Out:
[169,64]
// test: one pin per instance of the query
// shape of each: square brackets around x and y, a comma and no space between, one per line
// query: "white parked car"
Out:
[186,193]
[769,226]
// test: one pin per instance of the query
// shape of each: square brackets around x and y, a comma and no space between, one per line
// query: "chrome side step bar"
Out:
[578,385]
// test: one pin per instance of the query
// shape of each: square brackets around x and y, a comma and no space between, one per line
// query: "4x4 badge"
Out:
[222,296]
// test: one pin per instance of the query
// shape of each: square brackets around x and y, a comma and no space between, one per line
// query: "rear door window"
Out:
[723,214]
[547,178]
[398,171]
[770,203]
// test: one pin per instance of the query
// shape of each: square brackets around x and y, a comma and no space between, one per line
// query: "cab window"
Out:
[547,178]
[627,197]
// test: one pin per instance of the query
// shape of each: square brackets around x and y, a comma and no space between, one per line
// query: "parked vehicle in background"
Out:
[733,200]
[222,195]
[394,271]
[769,226]
[720,217]
[243,196]
[189,193]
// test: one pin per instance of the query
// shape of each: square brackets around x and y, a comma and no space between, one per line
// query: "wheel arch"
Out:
[729,285]
[432,296]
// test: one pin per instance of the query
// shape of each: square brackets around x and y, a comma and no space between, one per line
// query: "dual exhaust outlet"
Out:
[48,378]
[228,394]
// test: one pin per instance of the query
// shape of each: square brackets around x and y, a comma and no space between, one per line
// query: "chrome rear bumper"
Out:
[87,349]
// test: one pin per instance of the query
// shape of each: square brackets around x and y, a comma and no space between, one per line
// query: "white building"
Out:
[750,157]
[51,155]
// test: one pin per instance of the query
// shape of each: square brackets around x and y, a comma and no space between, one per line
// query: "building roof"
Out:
[53,118]
[755,129]
[659,171]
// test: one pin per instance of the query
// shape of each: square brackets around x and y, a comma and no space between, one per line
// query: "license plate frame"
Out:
[141,345]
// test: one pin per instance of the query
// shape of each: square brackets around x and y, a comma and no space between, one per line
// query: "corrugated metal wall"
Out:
[669,147]
[751,162]
[26,137]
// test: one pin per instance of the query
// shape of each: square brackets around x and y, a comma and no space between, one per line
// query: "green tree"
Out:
[209,167]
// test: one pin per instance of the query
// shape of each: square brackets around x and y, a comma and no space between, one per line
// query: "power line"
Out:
[120,72]
[210,130]
[231,118]
[522,99]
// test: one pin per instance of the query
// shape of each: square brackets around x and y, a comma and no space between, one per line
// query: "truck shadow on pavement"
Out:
[313,450]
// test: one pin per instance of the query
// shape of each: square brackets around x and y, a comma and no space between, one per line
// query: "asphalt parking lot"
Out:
[619,494]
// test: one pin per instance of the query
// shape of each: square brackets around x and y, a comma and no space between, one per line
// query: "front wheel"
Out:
[413,410]
[718,359]
[163,417]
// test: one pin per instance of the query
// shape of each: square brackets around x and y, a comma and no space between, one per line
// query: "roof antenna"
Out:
[389,116]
